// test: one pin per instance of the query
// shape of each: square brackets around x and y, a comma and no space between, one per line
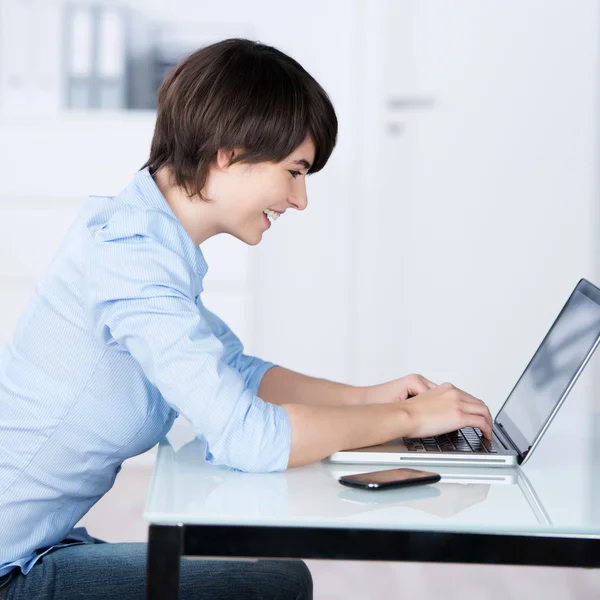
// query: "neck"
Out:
[197,216]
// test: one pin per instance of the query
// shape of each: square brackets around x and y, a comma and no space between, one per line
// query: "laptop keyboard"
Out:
[469,439]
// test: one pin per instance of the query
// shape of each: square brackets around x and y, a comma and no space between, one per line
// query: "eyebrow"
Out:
[302,162]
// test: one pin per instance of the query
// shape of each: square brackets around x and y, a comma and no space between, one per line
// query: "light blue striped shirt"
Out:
[114,343]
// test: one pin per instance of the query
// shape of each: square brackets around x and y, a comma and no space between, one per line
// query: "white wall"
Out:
[472,242]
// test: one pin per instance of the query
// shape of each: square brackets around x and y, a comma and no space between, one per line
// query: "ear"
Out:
[224,157]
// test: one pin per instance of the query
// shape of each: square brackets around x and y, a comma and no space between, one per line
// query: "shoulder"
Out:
[138,253]
[112,220]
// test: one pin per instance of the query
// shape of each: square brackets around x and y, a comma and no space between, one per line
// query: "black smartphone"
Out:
[390,478]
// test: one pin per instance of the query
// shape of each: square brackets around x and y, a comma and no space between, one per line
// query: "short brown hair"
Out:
[238,93]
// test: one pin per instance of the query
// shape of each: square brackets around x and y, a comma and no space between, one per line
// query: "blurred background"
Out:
[457,213]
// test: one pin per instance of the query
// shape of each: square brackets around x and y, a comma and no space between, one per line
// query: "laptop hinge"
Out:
[504,437]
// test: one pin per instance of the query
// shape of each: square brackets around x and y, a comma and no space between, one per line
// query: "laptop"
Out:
[529,409]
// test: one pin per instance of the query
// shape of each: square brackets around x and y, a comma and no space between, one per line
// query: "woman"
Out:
[116,341]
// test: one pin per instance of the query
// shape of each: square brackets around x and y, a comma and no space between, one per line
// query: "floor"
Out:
[118,517]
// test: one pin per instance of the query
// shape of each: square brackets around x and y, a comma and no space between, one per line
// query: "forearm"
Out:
[319,431]
[282,386]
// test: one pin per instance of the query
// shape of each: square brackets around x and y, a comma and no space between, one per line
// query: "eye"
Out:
[295,174]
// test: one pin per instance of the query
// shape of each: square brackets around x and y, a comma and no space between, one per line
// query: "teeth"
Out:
[272,215]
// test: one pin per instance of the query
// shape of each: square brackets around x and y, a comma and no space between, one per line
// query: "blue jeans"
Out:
[101,571]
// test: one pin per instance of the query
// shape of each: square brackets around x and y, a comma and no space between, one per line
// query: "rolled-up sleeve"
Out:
[141,294]
[251,368]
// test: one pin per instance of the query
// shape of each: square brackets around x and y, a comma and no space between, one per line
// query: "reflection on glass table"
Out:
[186,489]
[459,489]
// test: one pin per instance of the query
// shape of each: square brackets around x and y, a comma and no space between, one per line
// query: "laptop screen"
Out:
[553,368]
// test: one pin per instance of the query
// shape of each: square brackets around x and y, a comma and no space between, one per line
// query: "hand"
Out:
[445,408]
[399,389]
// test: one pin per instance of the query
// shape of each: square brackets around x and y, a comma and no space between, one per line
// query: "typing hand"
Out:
[445,408]
[398,389]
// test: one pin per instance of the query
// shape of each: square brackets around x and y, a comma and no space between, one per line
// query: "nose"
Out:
[299,199]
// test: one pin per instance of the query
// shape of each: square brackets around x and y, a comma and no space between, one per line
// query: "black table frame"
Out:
[168,543]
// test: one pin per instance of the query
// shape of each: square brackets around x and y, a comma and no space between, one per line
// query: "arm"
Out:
[251,368]
[319,431]
[281,386]
[276,384]
[327,417]
[140,294]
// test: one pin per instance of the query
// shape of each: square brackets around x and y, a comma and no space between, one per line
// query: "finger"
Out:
[428,383]
[476,408]
[415,385]
[479,412]
[482,424]
[468,398]
[419,384]
[479,421]
[486,411]
[415,388]
[473,400]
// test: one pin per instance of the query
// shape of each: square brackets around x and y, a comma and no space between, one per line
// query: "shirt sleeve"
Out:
[141,295]
[251,368]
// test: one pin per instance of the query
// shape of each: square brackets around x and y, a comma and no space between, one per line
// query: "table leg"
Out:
[165,544]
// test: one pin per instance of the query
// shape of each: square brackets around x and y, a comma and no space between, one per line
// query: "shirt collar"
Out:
[144,192]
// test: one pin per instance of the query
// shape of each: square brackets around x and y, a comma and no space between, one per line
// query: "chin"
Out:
[250,240]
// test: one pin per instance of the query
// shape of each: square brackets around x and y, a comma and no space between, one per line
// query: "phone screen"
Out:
[390,478]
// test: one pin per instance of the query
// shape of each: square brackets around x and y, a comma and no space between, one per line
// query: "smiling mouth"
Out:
[271,215]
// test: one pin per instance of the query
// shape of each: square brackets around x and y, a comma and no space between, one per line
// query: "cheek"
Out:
[262,188]
[264,196]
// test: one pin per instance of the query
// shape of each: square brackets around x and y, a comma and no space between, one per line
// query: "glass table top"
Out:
[557,492]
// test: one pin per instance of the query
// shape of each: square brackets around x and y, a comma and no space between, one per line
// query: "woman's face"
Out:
[243,192]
